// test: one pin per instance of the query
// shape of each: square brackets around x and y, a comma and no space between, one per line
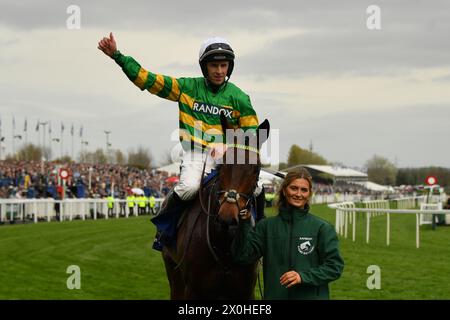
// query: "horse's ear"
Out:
[263,132]
[225,124]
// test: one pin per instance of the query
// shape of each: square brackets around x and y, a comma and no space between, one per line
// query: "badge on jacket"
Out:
[305,247]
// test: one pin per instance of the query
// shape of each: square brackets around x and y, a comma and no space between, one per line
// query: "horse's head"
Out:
[239,170]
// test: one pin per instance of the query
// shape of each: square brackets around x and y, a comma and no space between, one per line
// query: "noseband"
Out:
[230,196]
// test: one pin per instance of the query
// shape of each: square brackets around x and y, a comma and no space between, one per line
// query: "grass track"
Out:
[117,262]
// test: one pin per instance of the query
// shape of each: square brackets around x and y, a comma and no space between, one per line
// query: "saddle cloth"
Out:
[167,223]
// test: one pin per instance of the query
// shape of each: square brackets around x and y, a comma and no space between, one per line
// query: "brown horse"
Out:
[200,266]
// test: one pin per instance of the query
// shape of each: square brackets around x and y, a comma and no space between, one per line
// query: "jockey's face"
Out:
[297,193]
[217,71]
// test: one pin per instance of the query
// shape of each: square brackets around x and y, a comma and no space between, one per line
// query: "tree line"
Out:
[379,169]
[140,157]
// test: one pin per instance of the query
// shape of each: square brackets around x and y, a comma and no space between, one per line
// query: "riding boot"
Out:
[167,219]
[157,245]
[260,203]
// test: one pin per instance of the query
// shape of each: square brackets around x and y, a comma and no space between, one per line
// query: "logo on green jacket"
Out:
[212,109]
[305,247]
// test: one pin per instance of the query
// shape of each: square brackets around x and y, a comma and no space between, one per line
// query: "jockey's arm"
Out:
[163,86]
[248,120]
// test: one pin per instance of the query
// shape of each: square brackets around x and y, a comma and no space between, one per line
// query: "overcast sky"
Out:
[312,68]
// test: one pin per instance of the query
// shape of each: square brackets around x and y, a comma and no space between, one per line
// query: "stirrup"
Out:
[157,245]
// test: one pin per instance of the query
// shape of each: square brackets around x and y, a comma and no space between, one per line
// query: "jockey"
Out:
[201,101]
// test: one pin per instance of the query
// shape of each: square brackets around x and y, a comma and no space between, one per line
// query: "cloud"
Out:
[311,67]
[413,135]
[201,15]
[445,78]
[358,52]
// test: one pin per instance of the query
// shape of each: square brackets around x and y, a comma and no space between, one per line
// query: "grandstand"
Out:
[330,179]
[171,169]
[333,174]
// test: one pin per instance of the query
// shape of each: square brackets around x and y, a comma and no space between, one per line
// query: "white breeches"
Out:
[191,171]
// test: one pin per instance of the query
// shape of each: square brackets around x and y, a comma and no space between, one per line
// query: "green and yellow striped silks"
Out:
[199,107]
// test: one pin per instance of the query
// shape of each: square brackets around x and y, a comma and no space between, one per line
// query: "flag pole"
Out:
[39,134]
[25,129]
[81,142]
[14,138]
[62,129]
[1,139]
[50,140]
[71,132]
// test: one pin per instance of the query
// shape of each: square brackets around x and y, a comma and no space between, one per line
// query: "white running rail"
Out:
[346,214]
[48,209]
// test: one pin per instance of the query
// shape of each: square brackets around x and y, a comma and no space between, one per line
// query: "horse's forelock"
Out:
[239,177]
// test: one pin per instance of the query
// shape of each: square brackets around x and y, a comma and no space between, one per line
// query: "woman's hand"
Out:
[290,278]
[108,45]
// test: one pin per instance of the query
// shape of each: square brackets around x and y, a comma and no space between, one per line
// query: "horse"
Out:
[199,265]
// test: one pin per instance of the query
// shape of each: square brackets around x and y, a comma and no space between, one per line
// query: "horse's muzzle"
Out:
[227,220]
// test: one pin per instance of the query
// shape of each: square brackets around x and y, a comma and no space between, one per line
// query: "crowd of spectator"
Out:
[341,187]
[33,179]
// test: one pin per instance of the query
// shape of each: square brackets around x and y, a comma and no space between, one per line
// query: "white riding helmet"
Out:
[215,49]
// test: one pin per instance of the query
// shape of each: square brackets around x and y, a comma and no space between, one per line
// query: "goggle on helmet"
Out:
[216,49]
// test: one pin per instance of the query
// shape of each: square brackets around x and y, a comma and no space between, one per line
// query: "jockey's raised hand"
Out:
[108,45]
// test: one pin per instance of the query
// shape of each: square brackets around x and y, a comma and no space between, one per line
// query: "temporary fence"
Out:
[346,214]
[50,209]
[426,218]
[341,197]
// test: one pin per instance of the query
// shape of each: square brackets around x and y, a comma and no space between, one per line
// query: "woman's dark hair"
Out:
[300,173]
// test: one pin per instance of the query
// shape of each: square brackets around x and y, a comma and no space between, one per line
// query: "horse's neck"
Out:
[210,192]
[221,239]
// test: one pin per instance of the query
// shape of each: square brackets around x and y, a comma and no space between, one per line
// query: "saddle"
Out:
[168,222]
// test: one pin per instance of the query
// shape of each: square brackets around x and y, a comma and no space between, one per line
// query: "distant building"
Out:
[332,174]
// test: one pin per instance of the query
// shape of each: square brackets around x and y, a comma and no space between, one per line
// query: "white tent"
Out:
[339,172]
[268,178]
[376,187]
[174,169]
[171,169]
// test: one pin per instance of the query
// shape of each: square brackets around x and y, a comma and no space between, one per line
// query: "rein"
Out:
[206,211]
[230,196]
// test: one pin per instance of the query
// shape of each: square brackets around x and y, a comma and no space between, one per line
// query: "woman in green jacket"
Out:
[300,251]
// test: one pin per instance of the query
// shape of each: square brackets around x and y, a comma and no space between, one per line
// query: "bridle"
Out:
[230,196]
